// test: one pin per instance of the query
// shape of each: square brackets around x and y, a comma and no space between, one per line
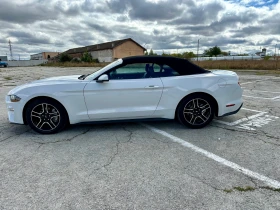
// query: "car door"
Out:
[129,94]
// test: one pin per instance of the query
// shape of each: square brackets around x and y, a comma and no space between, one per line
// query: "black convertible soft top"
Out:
[182,66]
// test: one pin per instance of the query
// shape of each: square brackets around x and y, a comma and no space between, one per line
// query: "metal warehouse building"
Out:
[4,58]
[43,55]
[109,51]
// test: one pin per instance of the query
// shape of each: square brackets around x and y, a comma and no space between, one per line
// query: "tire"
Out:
[196,111]
[5,66]
[46,116]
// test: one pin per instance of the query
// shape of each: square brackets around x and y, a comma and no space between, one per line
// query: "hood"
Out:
[47,81]
[71,78]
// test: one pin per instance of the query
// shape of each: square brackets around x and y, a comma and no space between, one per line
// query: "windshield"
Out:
[100,71]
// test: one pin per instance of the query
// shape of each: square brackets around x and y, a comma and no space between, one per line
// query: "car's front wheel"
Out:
[196,111]
[46,116]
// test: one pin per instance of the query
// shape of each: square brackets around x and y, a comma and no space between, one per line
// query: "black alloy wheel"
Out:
[46,116]
[196,111]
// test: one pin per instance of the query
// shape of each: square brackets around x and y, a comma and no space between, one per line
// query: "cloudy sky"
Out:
[36,26]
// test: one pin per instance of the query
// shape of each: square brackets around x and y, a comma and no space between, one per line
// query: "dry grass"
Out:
[214,64]
[240,64]
[71,64]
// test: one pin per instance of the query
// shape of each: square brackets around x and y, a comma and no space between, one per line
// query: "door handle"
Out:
[152,86]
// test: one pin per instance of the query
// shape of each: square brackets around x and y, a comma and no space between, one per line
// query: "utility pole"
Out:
[197,49]
[11,52]
[275,52]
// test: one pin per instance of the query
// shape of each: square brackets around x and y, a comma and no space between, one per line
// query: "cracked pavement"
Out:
[127,166]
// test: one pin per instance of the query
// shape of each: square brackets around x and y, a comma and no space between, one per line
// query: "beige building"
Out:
[43,55]
[109,51]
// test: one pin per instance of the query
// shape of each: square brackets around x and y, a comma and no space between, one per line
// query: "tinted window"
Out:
[167,71]
[134,71]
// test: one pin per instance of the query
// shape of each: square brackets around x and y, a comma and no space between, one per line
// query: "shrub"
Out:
[65,58]
[86,57]
[267,57]
[76,60]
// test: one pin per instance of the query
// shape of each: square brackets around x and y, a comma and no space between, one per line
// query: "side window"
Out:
[168,71]
[134,71]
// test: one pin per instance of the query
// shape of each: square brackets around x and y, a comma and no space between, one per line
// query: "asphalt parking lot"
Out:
[231,164]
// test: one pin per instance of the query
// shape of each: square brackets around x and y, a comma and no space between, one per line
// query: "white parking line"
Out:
[257,81]
[251,110]
[241,120]
[257,97]
[270,182]
[275,98]
[278,97]
[252,82]
[261,91]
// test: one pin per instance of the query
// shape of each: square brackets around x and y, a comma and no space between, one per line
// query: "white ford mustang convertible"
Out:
[141,88]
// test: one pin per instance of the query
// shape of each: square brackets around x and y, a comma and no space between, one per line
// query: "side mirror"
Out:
[103,78]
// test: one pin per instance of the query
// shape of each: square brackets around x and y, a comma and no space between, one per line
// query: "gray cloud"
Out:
[196,14]
[29,38]
[84,38]
[154,11]
[147,10]
[99,28]
[35,25]
[26,13]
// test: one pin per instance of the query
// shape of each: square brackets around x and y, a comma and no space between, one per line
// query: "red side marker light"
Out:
[229,105]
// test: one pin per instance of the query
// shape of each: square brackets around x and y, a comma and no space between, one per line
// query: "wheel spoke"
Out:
[54,114]
[203,118]
[46,108]
[51,126]
[205,107]
[36,114]
[192,121]
[194,105]
[40,124]
[188,111]
[52,123]
[197,104]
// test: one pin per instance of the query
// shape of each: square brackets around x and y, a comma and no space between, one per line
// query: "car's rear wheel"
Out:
[196,111]
[46,116]
[5,66]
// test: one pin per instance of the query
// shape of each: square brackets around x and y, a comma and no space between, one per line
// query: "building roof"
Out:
[102,46]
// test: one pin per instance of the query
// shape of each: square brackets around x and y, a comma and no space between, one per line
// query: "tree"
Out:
[225,53]
[188,55]
[152,52]
[65,57]
[86,57]
[214,51]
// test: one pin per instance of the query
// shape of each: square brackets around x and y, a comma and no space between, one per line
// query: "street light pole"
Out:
[197,49]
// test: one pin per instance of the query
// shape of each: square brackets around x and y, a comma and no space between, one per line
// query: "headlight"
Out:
[14,98]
